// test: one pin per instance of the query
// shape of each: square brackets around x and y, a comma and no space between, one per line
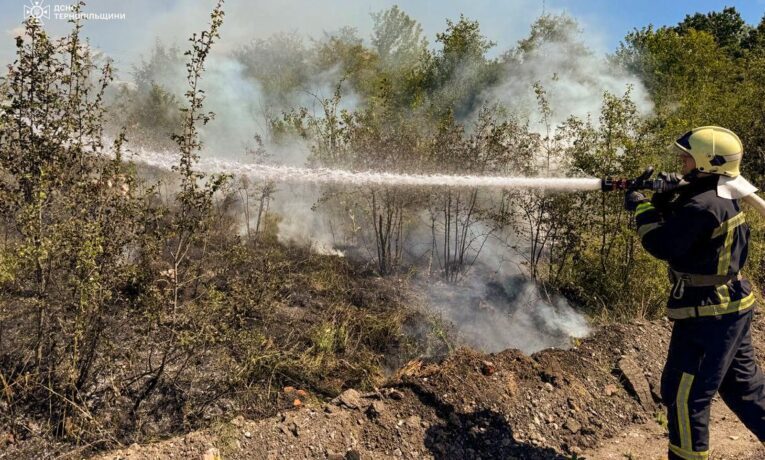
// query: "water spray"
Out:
[290,174]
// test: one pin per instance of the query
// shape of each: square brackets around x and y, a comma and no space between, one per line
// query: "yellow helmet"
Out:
[716,150]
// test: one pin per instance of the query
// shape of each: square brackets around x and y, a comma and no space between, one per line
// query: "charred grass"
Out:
[266,317]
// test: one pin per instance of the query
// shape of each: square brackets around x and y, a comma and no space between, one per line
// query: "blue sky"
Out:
[618,17]
[604,22]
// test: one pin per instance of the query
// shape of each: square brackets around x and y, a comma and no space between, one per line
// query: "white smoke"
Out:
[558,57]
[493,314]
[236,102]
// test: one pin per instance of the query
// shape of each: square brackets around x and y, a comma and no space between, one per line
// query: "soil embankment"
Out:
[597,400]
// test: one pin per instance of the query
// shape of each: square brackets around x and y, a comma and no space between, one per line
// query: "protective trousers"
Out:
[709,355]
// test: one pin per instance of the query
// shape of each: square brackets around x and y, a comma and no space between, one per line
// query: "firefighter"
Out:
[699,229]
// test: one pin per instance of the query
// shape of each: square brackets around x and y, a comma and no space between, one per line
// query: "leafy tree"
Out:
[345,50]
[163,66]
[70,213]
[695,81]
[727,27]
[281,64]
[398,40]
[755,41]
[460,71]
[549,29]
[148,109]
[189,228]
[404,59]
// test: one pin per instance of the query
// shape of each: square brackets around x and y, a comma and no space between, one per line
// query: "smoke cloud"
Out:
[494,314]
[574,77]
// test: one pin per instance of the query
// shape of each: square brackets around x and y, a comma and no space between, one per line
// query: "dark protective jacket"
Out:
[699,233]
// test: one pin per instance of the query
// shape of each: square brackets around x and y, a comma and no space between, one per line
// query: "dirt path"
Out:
[729,440]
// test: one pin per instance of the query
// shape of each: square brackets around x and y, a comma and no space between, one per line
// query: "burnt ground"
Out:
[555,404]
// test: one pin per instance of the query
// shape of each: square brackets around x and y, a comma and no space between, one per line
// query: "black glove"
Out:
[632,199]
[669,181]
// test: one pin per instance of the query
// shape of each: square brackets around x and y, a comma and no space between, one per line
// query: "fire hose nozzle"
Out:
[613,184]
[621,184]
[663,183]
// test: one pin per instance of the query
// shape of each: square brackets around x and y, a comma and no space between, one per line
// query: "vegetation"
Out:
[127,312]
[132,306]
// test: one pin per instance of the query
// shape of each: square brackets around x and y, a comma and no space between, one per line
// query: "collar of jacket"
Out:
[697,184]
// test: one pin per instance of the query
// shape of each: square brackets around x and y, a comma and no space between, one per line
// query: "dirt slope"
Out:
[596,400]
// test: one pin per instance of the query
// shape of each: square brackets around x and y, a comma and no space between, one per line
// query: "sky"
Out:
[604,22]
